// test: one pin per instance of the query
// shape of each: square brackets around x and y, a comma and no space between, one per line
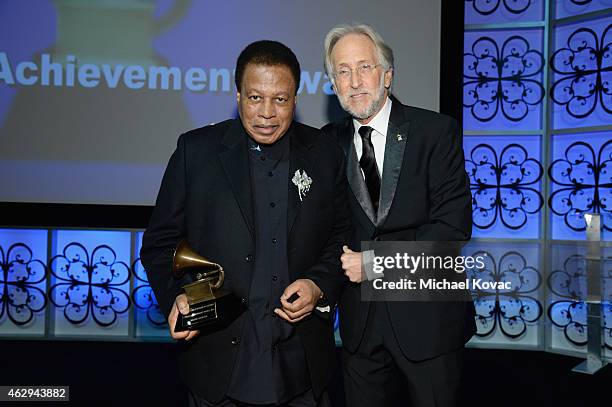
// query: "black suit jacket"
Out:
[424,196]
[205,196]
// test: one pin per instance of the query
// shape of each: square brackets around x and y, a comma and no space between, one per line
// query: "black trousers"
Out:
[369,371]
[303,400]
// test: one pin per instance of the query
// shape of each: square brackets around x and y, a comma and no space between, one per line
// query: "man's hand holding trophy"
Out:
[205,306]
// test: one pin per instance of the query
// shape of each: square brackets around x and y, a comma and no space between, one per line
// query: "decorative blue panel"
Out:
[505,181]
[582,74]
[567,285]
[503,11]
[502,80]
[504,316]
[150,322]
[570,8]
[581,178]
[91,282]
[23,272]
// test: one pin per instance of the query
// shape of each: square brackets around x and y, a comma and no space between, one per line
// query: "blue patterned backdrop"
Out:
[537,116]
[582,74]
[76,283]
[23,282]
[569,8]
[506,183]
[581,182]
[503,11]
[502,87]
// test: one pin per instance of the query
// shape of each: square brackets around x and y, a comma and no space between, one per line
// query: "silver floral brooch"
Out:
[302,181]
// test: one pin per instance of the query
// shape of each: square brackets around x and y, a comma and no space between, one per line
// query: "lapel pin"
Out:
[302,181]
[399,137]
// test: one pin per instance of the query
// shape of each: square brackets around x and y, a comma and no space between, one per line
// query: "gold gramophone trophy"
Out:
[210,306]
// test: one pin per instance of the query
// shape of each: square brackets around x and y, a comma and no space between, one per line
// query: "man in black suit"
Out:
[265,197]
[405,168]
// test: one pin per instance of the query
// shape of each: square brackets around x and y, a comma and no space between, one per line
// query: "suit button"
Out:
[235,341]
[249,258]
[243,300]
[274,278]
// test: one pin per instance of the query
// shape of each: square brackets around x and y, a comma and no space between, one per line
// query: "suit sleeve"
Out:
[166,229]
[327,273]
[450,212]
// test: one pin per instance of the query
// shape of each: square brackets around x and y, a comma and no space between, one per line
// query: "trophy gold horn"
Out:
[211,307]
[185,258]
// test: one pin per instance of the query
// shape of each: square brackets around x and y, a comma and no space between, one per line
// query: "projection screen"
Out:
[94,93]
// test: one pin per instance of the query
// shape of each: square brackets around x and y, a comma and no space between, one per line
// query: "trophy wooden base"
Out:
[210,315]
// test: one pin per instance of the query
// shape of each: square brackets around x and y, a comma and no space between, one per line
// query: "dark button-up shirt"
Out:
[271,362]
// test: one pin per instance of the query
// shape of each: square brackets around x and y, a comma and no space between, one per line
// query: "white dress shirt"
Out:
[380,124]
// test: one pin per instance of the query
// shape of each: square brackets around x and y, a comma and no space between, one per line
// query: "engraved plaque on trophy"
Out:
[210,306]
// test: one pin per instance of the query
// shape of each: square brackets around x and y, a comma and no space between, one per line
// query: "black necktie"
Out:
[368,165]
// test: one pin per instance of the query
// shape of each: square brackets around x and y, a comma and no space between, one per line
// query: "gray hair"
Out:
[385,53]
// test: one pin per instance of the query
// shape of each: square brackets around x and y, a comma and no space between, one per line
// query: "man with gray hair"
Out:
[406,172]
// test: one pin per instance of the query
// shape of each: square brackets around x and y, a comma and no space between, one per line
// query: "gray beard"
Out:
[371,109]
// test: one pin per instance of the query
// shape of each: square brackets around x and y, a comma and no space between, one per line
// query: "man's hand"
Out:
[351,264]
[180,305]
[309,294]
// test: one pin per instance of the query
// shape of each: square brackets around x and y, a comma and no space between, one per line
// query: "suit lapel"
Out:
[299,159]
[353,171]
[235,163]
[395,145]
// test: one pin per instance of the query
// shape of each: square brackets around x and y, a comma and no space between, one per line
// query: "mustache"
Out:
[358,92]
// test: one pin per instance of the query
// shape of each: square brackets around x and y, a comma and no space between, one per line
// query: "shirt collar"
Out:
[276,151]
[380,122]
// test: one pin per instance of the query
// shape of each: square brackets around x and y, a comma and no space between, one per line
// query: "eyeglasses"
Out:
[363,70]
